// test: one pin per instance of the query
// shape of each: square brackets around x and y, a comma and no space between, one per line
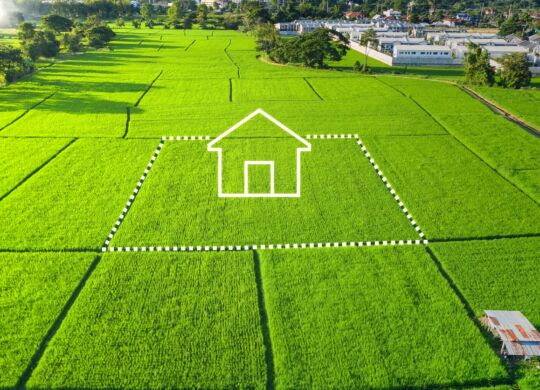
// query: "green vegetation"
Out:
[20,157]
[178,204]
[523,104]
[478,70]
[375,318]
[161,321]
[77,199]
[489,281]
[484,133]
[34,287]
[450,192]
[72,149]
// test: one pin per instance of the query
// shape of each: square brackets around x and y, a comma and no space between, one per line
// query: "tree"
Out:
[120,22]
[13,64]
[136,23]
[267,37]
[188,22]
[511,26]
[312,49]
[56,23]
[26,31]
[478,71]
[99,36]
[202,15]
[71,41]
[147,12]
[176,11]
[515,71]
[368,39]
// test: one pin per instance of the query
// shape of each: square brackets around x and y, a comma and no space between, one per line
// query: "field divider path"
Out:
[28,110]
[133,196]
[265,326]
[267,246]
[461,142]
[34,361]
[488,337]
[190,44]
[231,59]
[501,111]
[27,177]
[128,119]
[148,88]
[313,89]
[383,178]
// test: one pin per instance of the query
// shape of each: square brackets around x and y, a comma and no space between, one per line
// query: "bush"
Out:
[515,71]
[13,64]
[99,36]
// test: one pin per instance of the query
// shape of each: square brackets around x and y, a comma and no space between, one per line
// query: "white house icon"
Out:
[251,163]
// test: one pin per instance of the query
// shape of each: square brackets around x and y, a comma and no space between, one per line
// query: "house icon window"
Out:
[243,156]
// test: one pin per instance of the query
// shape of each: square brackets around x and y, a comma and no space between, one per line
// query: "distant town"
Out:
[400,42]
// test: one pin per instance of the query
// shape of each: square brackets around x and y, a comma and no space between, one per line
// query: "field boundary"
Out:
[148,88]
[28,110]
[28,176]
[267,246]
[462,143]
[132,197]
[38,354]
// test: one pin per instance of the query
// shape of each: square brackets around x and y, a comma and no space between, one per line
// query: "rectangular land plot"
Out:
[451,193]
[161,321]
[370,318]
[75,199]
[496,275]
[76,114]
[192,92]
[34,287]
[342,199]
[262,90]
[19,157]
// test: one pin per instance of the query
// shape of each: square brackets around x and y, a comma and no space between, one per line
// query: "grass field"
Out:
[120,267]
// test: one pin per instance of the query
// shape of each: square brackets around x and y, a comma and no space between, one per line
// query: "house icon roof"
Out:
[304,146]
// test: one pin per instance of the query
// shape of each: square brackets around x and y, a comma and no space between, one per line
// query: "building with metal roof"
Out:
[519,337]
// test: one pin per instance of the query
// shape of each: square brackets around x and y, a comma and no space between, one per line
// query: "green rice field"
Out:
[128,260]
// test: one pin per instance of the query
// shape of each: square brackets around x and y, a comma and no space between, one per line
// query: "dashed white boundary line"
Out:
[132,197]
[379,173]
[236,248]
[222,248]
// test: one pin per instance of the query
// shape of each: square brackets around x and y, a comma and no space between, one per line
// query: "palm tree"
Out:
[369,38]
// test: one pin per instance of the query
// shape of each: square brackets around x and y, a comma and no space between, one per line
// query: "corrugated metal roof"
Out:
[518,335]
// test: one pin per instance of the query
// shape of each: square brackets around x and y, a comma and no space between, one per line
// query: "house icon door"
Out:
[253,168]
[258,165]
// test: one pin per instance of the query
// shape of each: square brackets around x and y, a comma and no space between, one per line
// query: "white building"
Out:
[386,44]
[422,55]
[391,13]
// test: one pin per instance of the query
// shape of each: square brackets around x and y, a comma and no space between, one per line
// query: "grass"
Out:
[34,287]
[489,281]
[161,321]
[503,145]
[178,204]
[75,201]
[450,192]
[20,157]
[376,318]
[521,103]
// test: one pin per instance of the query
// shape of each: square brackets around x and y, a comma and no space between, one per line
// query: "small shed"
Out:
[519,337]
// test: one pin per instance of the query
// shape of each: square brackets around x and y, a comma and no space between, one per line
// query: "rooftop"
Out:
[519,336]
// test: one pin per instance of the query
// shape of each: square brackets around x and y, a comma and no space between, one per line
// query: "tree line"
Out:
[54,34]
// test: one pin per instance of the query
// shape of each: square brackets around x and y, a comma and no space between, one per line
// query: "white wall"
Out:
[384,58]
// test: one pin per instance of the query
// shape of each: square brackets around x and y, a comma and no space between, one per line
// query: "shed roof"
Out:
[518,335]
